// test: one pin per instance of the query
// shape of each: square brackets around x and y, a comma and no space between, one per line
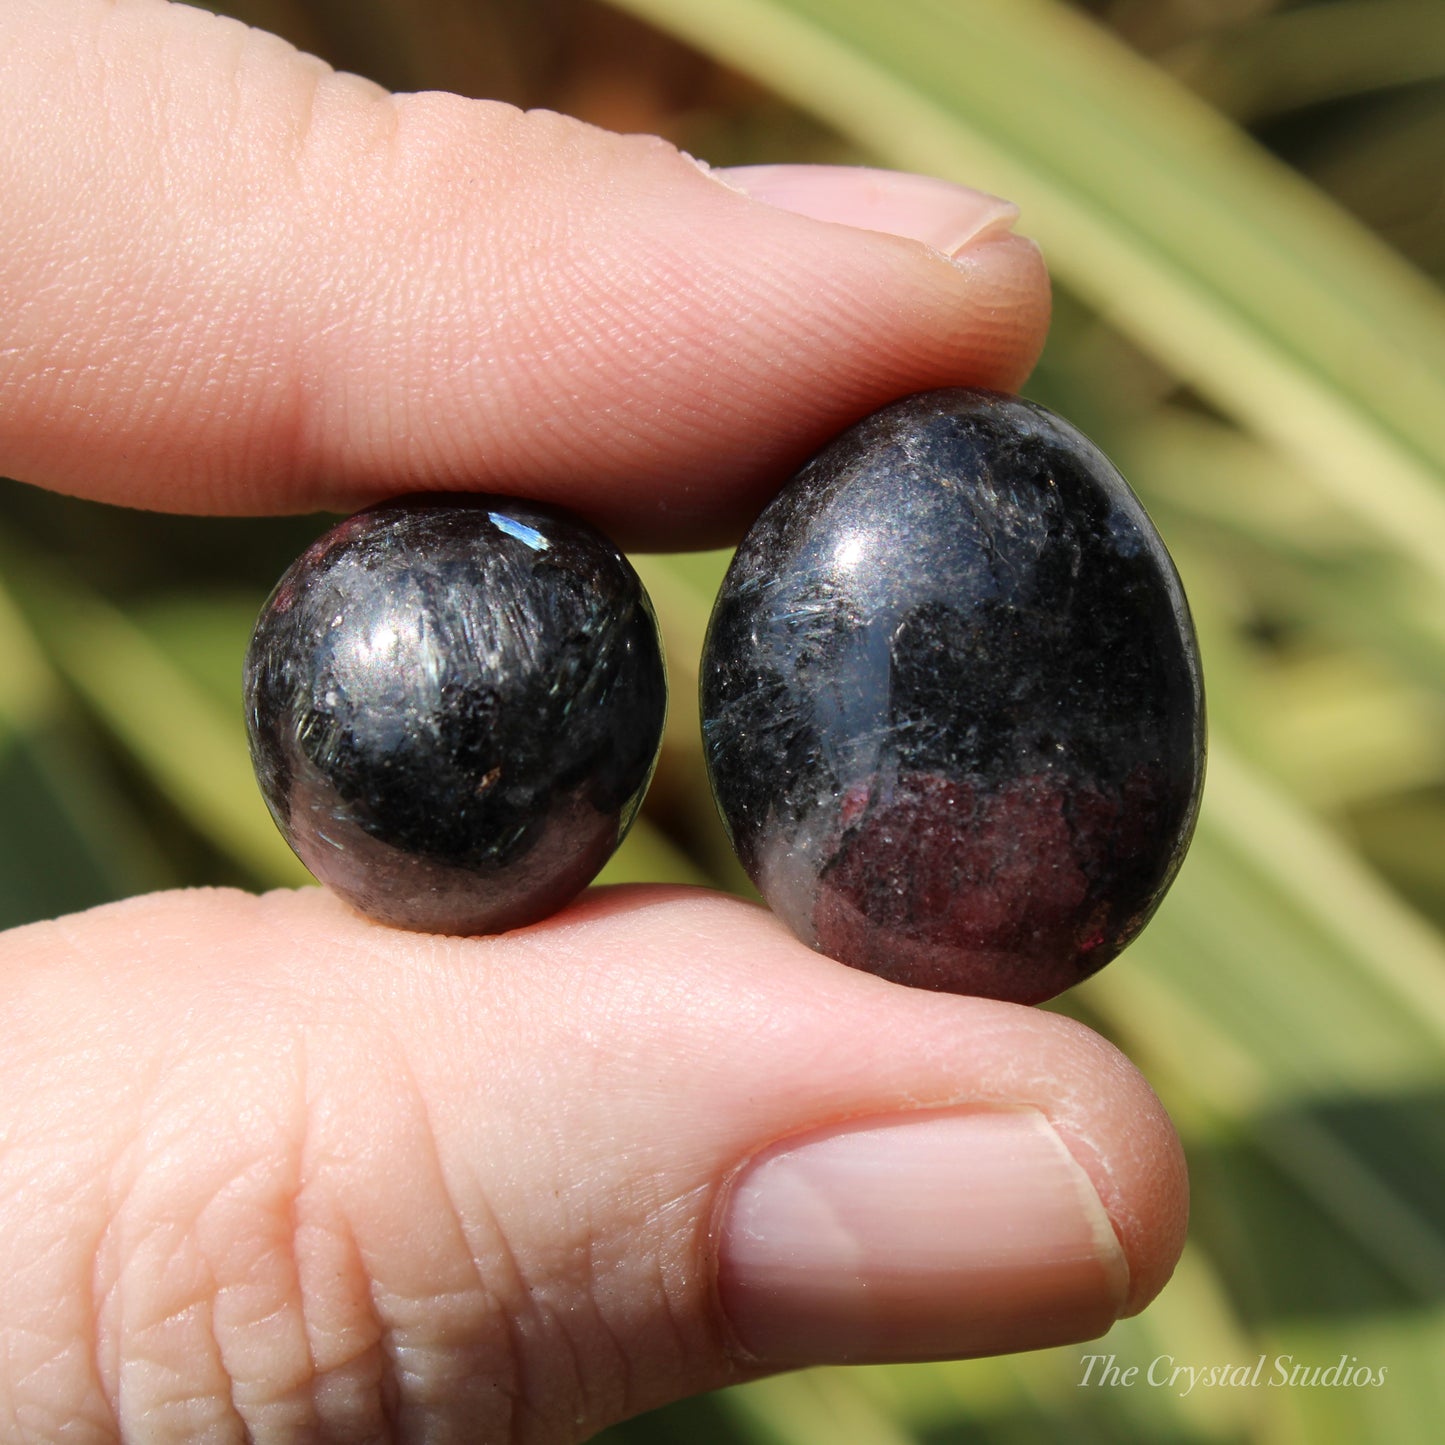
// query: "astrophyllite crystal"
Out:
[952,705]
[455,704]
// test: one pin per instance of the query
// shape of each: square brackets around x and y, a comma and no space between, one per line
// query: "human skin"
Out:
[271,1171]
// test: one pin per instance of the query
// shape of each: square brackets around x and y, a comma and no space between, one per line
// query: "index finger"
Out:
[241,282]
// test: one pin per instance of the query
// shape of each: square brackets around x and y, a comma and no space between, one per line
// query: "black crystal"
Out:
[455,704]
[951,699]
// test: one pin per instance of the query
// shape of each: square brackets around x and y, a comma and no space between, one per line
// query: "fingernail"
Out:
[919,208]
[930,1236]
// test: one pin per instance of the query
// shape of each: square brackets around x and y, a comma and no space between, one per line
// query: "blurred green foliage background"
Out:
[1243,203]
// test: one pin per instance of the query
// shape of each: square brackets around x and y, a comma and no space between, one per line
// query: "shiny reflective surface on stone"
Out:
[952,706]
[455,704]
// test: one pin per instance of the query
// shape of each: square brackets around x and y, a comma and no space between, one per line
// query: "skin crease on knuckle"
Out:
[232,1255]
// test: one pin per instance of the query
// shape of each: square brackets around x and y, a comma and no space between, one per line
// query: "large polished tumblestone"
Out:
[952,705]
[455,704]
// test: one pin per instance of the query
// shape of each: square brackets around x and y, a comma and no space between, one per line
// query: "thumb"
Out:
[237,281]
[271,1170]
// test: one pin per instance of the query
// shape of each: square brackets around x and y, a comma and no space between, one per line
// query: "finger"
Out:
[269,1168]
[236,281]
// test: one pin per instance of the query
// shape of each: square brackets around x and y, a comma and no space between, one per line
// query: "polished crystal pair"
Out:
[952,708]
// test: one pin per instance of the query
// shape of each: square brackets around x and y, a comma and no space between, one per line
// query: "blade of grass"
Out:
[1316,53]
[1279,971]
[1226,495]
[85,840]
[32,691]
[682,589]
[1226,264]
[1340,729]
[1405,1408]
[193,750]
[1401,957]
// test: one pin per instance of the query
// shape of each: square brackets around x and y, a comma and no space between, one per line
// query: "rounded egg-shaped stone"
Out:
[455,704]
[952,704]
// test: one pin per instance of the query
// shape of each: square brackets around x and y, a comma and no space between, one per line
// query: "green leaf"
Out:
[68,839]
[682,588]
[648,856]
[1222,262]
[1287,963]
[1404,1403]
[1315,53]
[192,747]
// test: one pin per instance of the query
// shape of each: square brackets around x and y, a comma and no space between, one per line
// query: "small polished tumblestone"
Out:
[951,699]
[455,704]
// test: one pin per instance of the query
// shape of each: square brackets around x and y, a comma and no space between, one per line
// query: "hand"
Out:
[267,1169]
